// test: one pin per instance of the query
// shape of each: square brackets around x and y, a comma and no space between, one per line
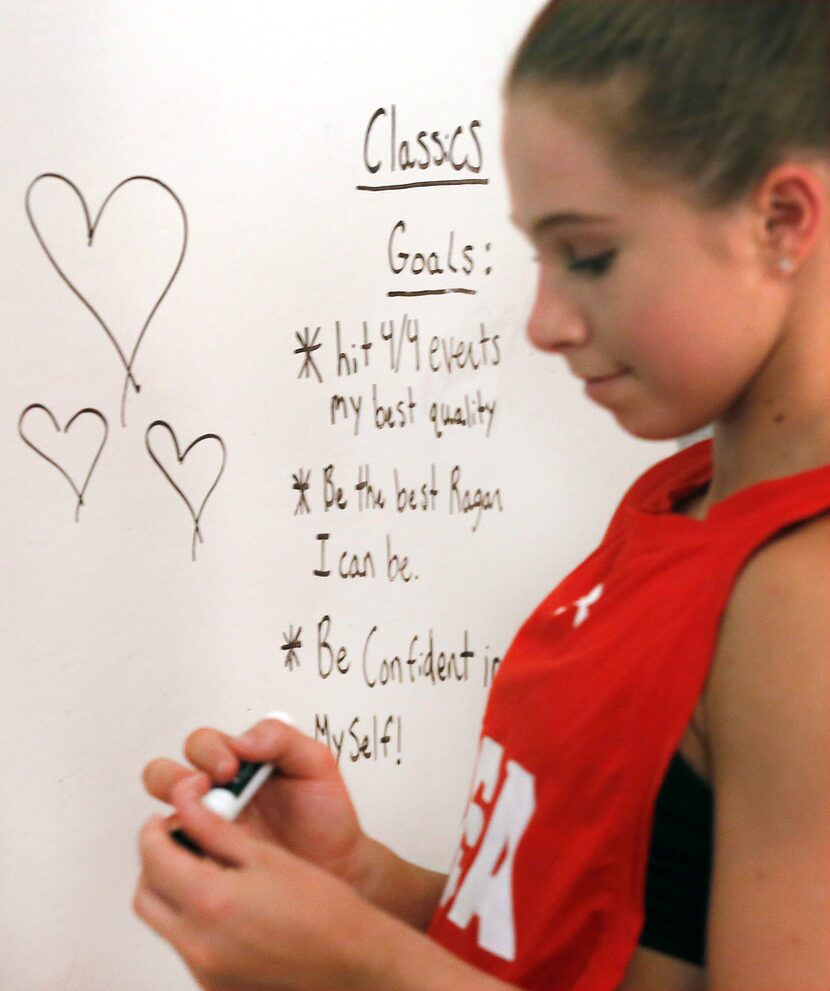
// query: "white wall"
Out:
[115,642]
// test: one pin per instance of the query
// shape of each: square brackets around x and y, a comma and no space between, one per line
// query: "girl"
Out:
[651,803]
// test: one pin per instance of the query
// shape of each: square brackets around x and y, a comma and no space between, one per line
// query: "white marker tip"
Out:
[281,717]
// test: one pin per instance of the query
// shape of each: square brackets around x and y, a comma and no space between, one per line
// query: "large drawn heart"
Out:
[79,492]
[180,456]
[127,359]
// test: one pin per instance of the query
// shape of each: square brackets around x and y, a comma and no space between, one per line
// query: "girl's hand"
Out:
[251,915]
[304,807]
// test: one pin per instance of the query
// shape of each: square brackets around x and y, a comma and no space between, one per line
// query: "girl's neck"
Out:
[772,446]
[781,425]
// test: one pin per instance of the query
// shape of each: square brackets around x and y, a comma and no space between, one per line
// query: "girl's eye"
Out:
[594,267]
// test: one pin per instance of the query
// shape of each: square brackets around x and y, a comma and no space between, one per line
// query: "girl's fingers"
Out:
[272,740]
[173,875]
[295,754]
[211,751]
[221,840]
[161,774]
[153,910]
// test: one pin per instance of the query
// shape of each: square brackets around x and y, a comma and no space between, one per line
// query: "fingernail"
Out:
[193,782]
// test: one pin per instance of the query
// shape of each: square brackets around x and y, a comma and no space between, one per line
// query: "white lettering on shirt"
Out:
[486,892]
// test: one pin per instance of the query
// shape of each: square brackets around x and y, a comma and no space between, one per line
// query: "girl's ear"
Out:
[792,206]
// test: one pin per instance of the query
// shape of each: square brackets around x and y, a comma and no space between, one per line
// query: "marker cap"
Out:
[282,717]
[224,803]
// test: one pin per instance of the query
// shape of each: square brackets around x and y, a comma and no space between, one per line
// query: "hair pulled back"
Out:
[707,94]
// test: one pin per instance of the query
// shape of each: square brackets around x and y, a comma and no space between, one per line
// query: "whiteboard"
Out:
[273,436]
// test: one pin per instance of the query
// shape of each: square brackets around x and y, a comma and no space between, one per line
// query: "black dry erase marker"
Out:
[228,800]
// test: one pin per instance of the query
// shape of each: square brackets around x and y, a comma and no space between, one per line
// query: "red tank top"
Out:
[546,890]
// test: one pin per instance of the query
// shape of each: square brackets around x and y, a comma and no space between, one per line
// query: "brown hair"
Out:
[714,93]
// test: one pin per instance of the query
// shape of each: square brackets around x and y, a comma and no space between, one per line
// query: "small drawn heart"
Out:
[127,361]
[79,492]
[180,456]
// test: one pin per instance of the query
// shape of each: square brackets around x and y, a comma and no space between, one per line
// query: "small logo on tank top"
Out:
[582,607]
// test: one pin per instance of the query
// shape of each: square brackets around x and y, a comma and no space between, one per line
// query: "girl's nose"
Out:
[555,323]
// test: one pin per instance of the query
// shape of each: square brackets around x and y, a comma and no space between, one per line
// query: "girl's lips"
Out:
[599,386]
[602,378]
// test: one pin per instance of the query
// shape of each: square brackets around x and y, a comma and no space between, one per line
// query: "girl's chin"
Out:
[656,428]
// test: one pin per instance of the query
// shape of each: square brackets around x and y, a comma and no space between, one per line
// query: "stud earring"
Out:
[786,265]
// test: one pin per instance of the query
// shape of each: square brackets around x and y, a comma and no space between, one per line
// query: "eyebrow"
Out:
[554,220]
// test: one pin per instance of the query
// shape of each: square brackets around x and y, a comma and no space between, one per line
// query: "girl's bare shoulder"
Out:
[768,722]
[773,652]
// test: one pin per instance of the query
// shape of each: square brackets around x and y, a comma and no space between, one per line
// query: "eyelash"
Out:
[594,267]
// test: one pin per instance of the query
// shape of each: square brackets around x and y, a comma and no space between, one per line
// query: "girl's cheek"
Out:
[677,336]
[659,338]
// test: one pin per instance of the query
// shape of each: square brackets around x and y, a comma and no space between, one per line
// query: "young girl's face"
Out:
[666,313]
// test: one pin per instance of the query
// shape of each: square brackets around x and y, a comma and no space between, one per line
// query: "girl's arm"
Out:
[408,892]
[768,711]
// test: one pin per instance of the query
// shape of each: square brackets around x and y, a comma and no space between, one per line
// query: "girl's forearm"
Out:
[402,889]
[398,956]
[402,959]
